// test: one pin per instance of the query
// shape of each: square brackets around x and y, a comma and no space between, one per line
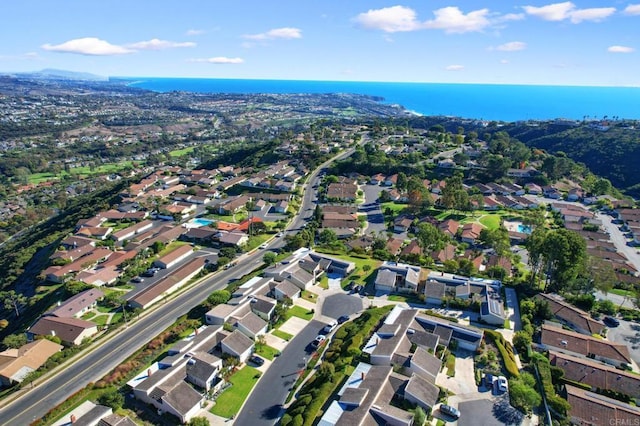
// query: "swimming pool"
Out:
[198,222]
[525,229]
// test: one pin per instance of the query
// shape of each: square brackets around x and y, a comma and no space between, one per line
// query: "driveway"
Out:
[489,412]
[619,240]
[618,300]
[513,309]
[464,381]
[265,403]
[627,333]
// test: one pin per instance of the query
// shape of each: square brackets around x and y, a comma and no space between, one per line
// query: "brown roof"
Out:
[342,190]
[176,254]
[583,344]
[67,329]
[31,356]
[394,245]
[588,408]
[449,227]
[572,315]
[596,374]
[471,230]
[156,290]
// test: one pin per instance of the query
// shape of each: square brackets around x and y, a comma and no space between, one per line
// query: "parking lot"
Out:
[627,333]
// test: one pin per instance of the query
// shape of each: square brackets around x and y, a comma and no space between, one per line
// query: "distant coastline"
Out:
[473,101]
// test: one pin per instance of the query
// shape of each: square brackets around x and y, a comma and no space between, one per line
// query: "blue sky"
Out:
[489,41]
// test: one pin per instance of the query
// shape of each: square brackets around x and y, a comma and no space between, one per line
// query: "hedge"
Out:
[506,351]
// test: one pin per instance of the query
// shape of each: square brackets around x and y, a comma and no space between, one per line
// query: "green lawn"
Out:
[491,221]
[171,247]
[395,207]
[100,319]
[181,152]
[282,335]
[309,296]
[621,292]
[88,316]
[256,240]
[229,402]
[83,171]
[407,298]
[450,364]
[266,351]
[324,282]
[300,312]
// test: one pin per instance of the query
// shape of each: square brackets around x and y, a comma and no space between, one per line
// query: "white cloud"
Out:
[449,19]
[88,46]
[512,46]
[452,20]
[504,61]
[620,49]
[595,14]
[551,12]
[454,67]
[568,10]
[389,19]
[632,9]
[157,44]
[219,60]
[193,32]
[285,33]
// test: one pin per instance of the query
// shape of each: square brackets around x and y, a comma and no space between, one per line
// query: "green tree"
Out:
[419,416]
[13,301]
[218,297]
[112,398]
[430,237]
[523,396]
[327,237]
[269,258]
[14,341]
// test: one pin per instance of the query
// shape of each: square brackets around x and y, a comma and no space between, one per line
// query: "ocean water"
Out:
[477,101]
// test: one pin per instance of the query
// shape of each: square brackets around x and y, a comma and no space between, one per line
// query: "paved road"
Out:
[627,333]
[375,218]
[616,299]
[36,402]
[619,240]
[265,404]
[512,303]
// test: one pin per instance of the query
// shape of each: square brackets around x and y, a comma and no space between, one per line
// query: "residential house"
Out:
[342,191]
[392,276]
[492,309]
[174,257]
[575,318]
[77,305]
[281,206]
[16,364]
[286,289]
[434,292]
[402,224]
[238,345]
[71,331]
[591,409]
[533,189]
[470,233]
[449,227]
[569,342]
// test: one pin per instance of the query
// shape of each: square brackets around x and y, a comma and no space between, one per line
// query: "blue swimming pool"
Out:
[198,222]
[525,229]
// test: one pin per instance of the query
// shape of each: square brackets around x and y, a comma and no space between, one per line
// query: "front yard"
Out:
[230,401]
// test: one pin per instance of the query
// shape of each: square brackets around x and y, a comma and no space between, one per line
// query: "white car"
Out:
[502,383]
[264,245]
[330,327]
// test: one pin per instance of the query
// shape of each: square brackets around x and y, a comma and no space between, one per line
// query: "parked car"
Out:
[279,234]
[318,340]
[137,279]
[264,245]
[502,384]
[450,411]
[611,321]
[330,327]
[343,319]
[489,380]
[256,360]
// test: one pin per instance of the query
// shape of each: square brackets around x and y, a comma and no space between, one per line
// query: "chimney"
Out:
[73,418]
[149,372]
[53,332]
[362,375]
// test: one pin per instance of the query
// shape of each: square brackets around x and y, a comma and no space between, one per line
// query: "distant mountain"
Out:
[53,74]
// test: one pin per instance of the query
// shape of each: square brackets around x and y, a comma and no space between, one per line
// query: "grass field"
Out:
[181,152]
[450,364]
[309,296]
[282,335]
[229,402]
[266,351]
[491,221]
[621,292]
[79,171]
[300,312]
[395,207]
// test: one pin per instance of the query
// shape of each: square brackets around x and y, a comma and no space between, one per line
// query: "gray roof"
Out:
[77,303]
[183,398]
[252,322]
[425,391]
[237,342]
[424,339]
[288,288]
[116,420]
[263,305]
[386,277]
[425,361]
[354,396]
[92,416]
[202,366]
[434,289]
